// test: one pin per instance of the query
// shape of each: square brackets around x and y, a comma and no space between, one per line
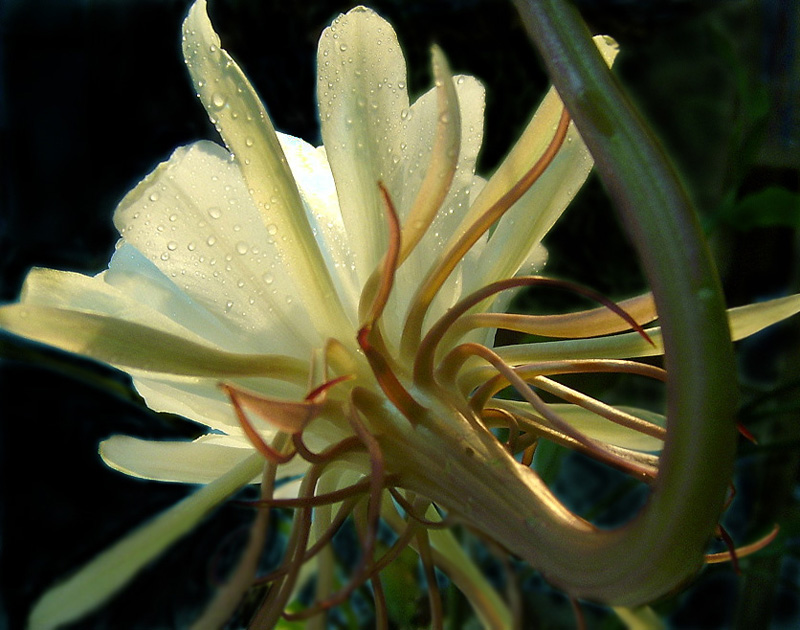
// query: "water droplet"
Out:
[165,256]
[460,80]
[218,100]
[268,278]
[240,284]
[272,229]
[211,240]
[401,84]
[228,306]
[249,142]
[214,212]
[172,246]
[173,217]
[241,248]
[153,196]
[191,247]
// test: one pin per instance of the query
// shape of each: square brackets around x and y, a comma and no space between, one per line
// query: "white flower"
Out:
[315,284]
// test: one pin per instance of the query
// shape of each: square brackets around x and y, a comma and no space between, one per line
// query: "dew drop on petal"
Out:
[211,240]
[241,248]
[218,100]
[214,212]
[172,246]
[153,196]
[268,278]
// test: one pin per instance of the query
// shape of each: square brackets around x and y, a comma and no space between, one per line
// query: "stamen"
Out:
[269,453]
[444,523]
[379,285]
[743,551]
[597,449]
[423,363]
[450,257]
[388,380]
[579,325]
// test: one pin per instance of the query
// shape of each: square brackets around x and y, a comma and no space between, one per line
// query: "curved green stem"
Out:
[668,538]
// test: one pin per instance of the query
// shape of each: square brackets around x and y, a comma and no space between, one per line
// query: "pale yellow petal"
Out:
[244,125]
[201,461]
[109,572]
[362,96]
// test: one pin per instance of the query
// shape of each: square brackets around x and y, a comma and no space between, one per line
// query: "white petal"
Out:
[315,182]
[603,430]
[523,226]
[236,110]
[361,93]
[194,219]
[743,320]
[201,399]
[419,137]
[140,281]
[201,461]
[131,346]
[106,574]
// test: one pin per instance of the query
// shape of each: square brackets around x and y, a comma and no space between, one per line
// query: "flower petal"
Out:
[744,321]
[521,229]
[201,461]
[128,345]
[600,428]
[194,219]
[236,110]
[318,190]
[422,126]
[362,97]
[202,401]
[106,574]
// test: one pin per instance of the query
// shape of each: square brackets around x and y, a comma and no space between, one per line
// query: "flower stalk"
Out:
[666,542]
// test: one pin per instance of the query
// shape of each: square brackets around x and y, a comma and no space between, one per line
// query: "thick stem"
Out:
[664,545]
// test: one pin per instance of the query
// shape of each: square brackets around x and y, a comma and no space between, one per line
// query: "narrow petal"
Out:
[600,428]
[521,229]
[201,461]
[129,345]
[194,219]
[201,400]
[744,321]
[362,96]
[315,181]
[109,572]
[236,110]
[419,138]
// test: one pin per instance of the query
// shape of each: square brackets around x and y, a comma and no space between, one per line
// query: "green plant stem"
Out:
[658,216]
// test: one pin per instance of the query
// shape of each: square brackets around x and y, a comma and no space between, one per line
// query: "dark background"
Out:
[94,94]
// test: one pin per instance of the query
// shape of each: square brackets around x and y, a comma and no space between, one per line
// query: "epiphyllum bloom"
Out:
[330,311]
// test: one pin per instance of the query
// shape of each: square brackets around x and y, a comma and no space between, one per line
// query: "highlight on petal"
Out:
[200,461]
[134,346]
[361,90]
[240,117]
[522,228]
[193,217]
[104,576]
